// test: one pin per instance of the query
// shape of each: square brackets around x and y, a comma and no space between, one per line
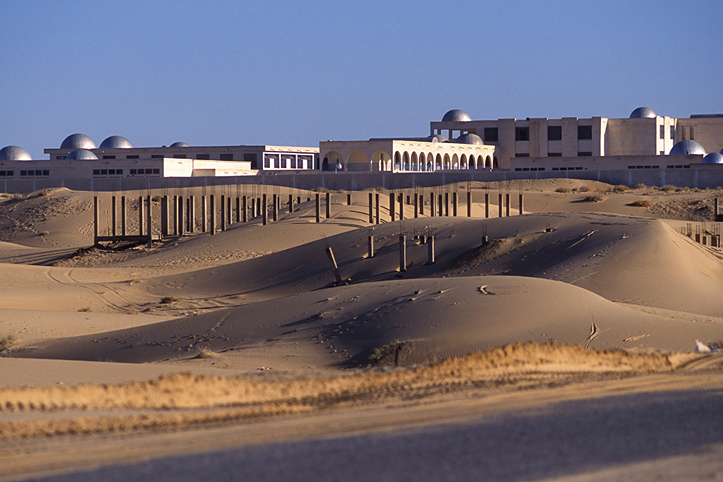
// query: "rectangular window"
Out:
[309,162]
[149,171]
[584,132]
[252,158]
[522,133]
[662,132]
[692,134]
[133,156]
[156,156]
[23,173]
[267,162]
[672,132]
[119,172]
[108,157]
[293,163]
[203,157]
[227,157]
[522,154]
[179,156]
[61,158]
[104,172]
[554,133]
[156,171]
[554,154]
[584,154]
[490,134]
[133,172]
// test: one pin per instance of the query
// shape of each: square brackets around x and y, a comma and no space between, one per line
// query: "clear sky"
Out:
[290,72]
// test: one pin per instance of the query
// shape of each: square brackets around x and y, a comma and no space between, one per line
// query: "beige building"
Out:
[429,154]
[642,134]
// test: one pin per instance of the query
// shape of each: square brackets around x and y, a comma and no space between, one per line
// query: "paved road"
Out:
[658,436]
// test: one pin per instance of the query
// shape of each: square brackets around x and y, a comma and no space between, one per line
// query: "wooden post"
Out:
[113,215]
[95,220]
[371,208]
[265,210]
[371,246]
[392,205]
[328,205]
[469,204]
[402,252]
[212,214]
[123,216]
[334,266]
[141,217]
[430,250]
[164,215]
[318,208]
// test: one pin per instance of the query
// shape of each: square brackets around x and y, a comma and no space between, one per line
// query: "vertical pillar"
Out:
[487,205]
[348,199]
[469,203]
[229,213]
[441,205]
[141,217]
[376,207]
[318,207]
[212,214]
[500,204]
[520,208]
[179,216]
[204,214]
[432,205]
[223,212]
[328,205]
[416,205]
[371,208]
[244,209]
[507,204]
[95,219]
[371,246]
[430,250]
[291,203]
[274,208]
[123,216]
[164,215]
[446,204]
[455,201]
[401,206]
[421,204]
[392,205]
[149,221]
[334,266]
[253,207]
[238,209]
[264,210]
[191,215]
[113,219]
[402,251]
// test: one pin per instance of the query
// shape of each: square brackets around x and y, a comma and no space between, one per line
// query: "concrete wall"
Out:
[701,177]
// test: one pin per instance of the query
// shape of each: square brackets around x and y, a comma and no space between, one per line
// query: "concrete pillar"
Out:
[348,199]
[500,204]
[149,221]
[123,216]
[520,208]
[402,252]
[244,209]
[507,204]
[191,213]
[416,205]
[469,204]
[179,216]
[441,205]
[318,207]
[376,207]
[274,209]
[95,219]
[371,208]
[238,209]
[291,203]
[164,215]
[401,206]
[113,219]
[141,217]
[204,214]
[392,206]
[430,250]
[371,246]
[264,210]
[328,205]
[228,211]
[421,204]
[432,205]
[487,205]
[212,214]
[455,201]
[223,212]
[446,204]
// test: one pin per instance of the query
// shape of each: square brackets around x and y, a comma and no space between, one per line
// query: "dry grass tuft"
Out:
[563,190]
[594,198]
[621,188]
[641,203]
[167,300]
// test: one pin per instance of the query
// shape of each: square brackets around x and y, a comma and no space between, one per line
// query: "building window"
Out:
[522,154]
[308,159]
[692,134]
[672,132]
[662,132]
[554,133]
[6,173]
[179,156]
[490,134]
[108,157]
[132,156]
[584,154]
[203,157]
[156,171]
[252,158]
[271,158]
[227,157]
[293,162]
[584,132]
[554,154]
[156,156]
[287,159]
[522,133]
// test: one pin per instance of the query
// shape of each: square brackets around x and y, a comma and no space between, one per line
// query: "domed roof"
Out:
[179,144]
[14,153]
[469,139]
[456,115]
[82,155]
[77,141]
[643,112]
[713,158]
[437,138]
[116,142]
[687,148]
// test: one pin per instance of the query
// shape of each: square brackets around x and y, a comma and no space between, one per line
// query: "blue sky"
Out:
[296,72]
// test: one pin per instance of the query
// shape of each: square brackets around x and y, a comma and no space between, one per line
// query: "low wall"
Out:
[702,178]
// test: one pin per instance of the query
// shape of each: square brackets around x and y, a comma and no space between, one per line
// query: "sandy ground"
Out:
[248,326]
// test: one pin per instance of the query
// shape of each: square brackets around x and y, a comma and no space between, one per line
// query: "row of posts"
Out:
[178,213]
[703,234]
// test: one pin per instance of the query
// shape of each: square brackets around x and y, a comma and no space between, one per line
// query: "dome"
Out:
[437,138]
[82,155]
[469,139]
[14,153]
[116,142]
[713,158]
[78,141]
[643,112]
[456,115]
[179,144]
[687,148]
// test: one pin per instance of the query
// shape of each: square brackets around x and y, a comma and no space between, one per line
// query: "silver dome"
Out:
[713,158]
[437,138]
[473,139]
[116,142]
[179,144]
[643,112]
[456,115]
[14,153]
[82,155]
[77,141]
[687,148]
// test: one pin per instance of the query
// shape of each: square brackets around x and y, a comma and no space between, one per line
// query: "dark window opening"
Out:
[108,157]
[227,157]
[522,133]
[584,132]
[203,157]
[132,156]
[554,154]
[584,154]
[490,134]
[554,133]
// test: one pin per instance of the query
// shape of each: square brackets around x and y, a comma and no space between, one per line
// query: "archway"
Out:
[447,162]
[495,163]
[414,161]
[397,161]
[488,162]
[381,161]
[463,161]
[438,163]
[405,161]
[358,161]
[333,161]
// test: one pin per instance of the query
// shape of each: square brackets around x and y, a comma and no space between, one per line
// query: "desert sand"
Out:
[592,291]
